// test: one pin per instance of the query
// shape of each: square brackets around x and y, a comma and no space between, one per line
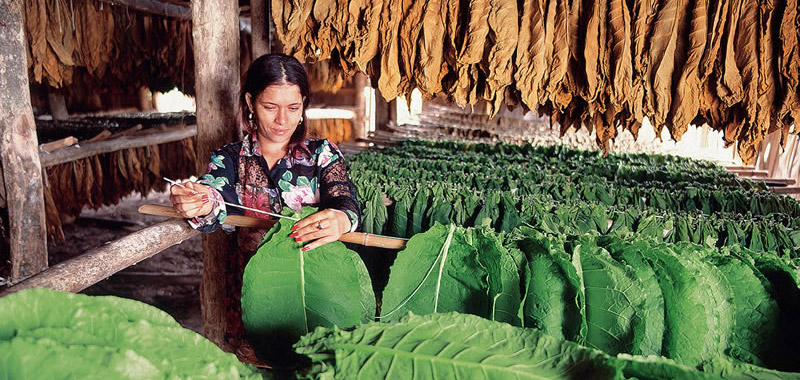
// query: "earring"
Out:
[250,116]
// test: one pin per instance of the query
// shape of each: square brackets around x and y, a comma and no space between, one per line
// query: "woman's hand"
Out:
[192,201]
[322,227]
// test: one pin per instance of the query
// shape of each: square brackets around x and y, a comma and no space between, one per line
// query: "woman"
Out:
[275,166]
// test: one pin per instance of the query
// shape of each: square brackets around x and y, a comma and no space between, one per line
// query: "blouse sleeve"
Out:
[221,178]
[337,191]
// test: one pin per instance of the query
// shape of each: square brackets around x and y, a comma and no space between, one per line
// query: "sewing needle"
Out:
[234,205]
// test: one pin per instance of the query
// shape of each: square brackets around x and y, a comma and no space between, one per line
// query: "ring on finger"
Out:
[319,225]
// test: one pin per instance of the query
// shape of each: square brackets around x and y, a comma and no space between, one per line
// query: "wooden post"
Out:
[359,123]
[57,103]
[259,35]
[19,150]
[215,33]
[385,112]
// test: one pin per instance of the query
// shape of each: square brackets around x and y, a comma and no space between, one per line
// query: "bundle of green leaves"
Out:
[286,292]
[45,334]
[460,346]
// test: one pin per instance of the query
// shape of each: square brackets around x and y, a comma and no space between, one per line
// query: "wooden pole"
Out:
[258,22]
[359,123]
[19,150]
[215,34]
[89,149]
[81,272]
[365,239]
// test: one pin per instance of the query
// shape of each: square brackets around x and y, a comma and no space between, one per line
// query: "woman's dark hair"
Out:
[269,70]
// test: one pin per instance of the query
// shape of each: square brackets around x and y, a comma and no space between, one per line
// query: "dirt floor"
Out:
[169,280]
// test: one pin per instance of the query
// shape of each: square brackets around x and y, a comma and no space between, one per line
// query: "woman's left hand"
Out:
[320,228]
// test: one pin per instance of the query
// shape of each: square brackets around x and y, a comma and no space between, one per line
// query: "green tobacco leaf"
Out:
[503,265]
[46,334]
[553,300]
[614,299]
[648,332]
[450,346]
[755,333]
[699,315]
[287,292]
[438,271]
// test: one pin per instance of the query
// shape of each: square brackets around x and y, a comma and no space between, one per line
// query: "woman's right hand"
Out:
[192,201]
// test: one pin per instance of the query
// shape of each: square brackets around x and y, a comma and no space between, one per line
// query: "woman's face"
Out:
[278,110]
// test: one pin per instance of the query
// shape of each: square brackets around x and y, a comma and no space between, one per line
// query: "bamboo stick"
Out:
[365,239]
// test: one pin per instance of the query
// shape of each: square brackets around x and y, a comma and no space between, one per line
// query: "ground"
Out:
[169,280]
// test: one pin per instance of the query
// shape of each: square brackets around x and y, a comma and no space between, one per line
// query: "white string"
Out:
[235,205]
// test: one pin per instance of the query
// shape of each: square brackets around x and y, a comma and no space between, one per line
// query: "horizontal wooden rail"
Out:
[739,167]
[750,173]
[89,149]
[786,190]
[95,265]
[779,182]
[365,239]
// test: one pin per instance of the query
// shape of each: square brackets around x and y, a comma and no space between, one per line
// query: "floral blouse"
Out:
[315,176]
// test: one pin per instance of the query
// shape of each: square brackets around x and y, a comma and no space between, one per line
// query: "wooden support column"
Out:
[259,23]
[359,126]
[19,154]
[385,112]
[215,33]
[57,103]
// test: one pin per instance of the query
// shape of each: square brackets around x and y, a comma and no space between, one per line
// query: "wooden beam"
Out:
[259,35]
[89,149]
[97,264]
[161,8]
[19,150]
[778,181]
[215,34]
[786,190]
[750,173]
[739,167]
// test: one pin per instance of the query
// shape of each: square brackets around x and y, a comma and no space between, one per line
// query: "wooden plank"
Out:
[19,151]
[215,37]
[95,265]
[90,149]
[786,190]
[162,8]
